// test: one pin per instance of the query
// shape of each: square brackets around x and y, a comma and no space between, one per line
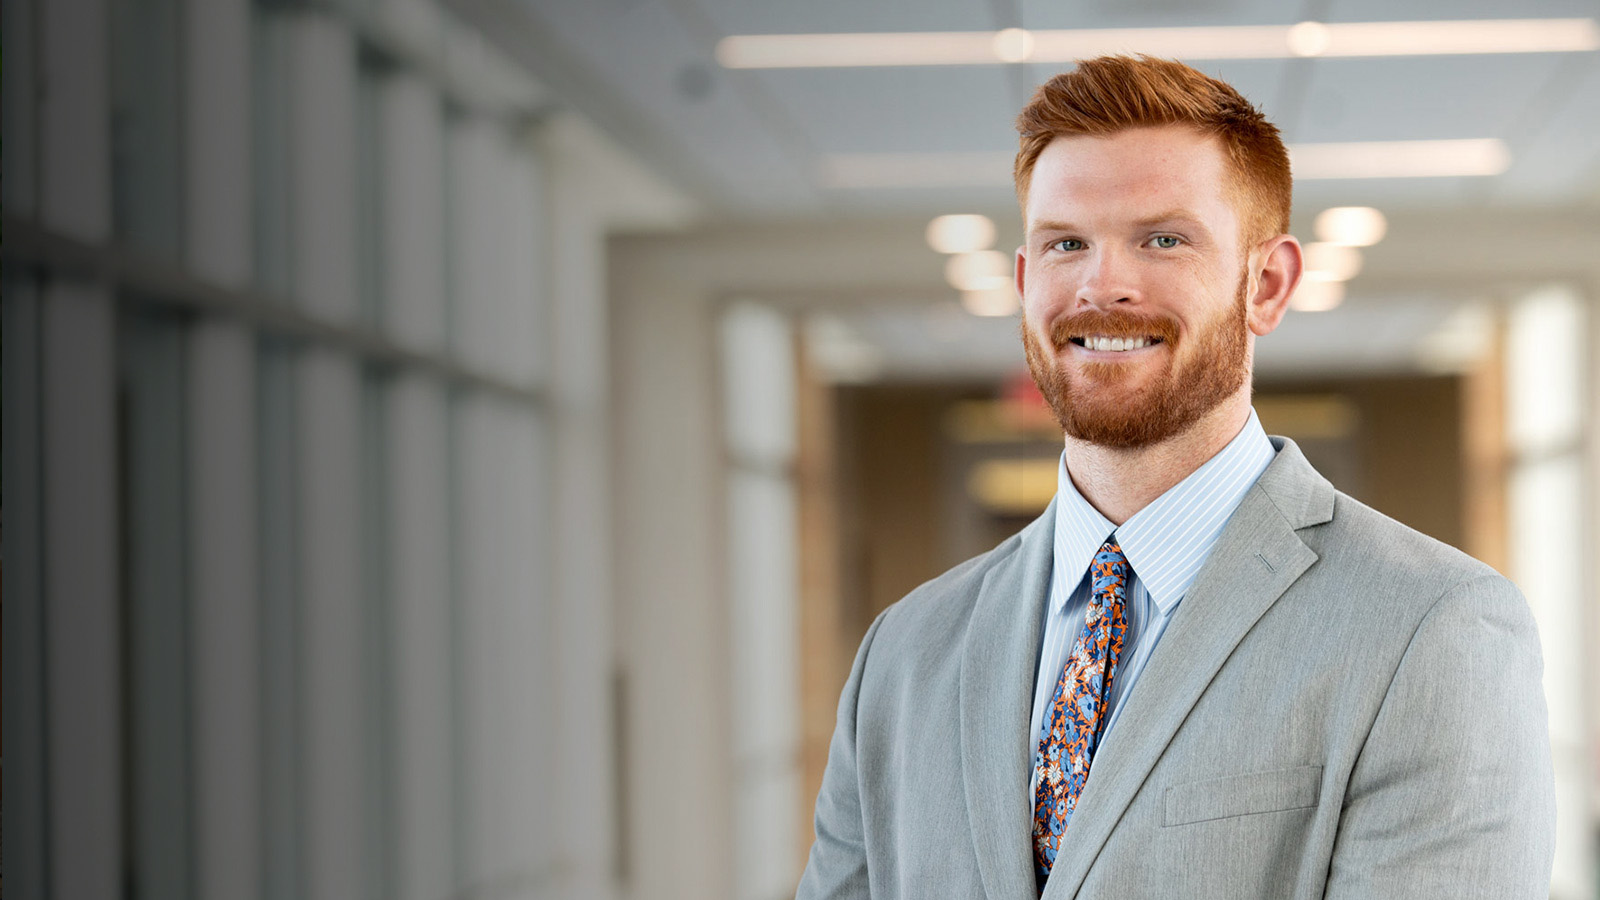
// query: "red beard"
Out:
[1092,409]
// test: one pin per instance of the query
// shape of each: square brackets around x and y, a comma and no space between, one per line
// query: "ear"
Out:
[1022,273]
[1275,269]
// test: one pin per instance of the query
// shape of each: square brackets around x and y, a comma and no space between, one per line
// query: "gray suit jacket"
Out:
[1341,707]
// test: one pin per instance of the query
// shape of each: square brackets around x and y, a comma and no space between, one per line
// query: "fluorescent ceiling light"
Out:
[1012,45]
[905,48]
[1400,159]
[1378,159]
[1458,38]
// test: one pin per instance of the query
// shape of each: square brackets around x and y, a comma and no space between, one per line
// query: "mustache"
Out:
[1111,323]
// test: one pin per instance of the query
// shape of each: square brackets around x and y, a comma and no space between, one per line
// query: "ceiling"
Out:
[769,145]
[763,142]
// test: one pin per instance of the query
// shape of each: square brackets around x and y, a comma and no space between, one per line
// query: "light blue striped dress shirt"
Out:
[1166,544]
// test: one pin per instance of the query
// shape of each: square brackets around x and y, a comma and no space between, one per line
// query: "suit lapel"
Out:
[1257,557]
[997,681]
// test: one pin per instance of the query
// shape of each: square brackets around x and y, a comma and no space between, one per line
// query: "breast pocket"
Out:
[1242,795]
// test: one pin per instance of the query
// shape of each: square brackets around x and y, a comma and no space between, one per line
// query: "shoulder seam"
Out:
[1411,641]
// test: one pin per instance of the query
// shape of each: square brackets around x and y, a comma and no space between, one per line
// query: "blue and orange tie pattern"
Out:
[1072,729]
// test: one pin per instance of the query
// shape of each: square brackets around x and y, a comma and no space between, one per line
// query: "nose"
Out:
[1108,279]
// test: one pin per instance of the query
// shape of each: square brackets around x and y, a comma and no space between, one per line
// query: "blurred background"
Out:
[454,447]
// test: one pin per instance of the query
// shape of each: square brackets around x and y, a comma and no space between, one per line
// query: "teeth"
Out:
[1100,342]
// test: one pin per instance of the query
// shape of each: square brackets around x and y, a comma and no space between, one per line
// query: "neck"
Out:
[1118,482]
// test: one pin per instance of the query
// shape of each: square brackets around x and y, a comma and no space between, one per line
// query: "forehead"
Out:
[1134,173]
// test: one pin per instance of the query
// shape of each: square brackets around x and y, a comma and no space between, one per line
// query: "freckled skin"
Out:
[1133,234]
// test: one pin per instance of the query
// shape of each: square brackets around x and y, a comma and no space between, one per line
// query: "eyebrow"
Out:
[1171,216]
[1050,225]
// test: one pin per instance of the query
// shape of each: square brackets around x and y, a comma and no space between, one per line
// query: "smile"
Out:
[1114,344]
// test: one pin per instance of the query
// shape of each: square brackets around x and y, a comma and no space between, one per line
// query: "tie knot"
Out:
[1110,572]
[1110,553]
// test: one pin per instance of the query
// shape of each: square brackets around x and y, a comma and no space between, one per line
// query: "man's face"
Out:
[1134,284]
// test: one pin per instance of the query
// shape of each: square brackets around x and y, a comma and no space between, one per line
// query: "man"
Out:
[1203,672]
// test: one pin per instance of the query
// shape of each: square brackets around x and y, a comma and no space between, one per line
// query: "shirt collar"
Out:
[1169,540]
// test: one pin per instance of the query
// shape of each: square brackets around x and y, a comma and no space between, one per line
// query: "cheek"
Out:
[1191,274]
[1199,293]
[1049,289]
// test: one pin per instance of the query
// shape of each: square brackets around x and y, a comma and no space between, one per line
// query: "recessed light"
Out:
[980,270]
[1013,45]
[1352,226]
[961,233]
[1317,296]
[1000,301]
[1331,262]
[1309,39]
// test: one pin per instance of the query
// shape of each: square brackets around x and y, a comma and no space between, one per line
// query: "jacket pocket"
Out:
[1242,795]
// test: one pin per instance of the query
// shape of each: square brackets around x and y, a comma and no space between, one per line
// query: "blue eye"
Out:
[1165,241]
[1068,244]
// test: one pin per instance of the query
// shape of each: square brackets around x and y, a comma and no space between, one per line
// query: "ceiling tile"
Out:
[1388,193]
[899,110]
[1559,159]
[1417,98]
[647,56]
[996,201]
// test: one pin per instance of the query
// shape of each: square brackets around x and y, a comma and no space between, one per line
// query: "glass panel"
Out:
[21,461]
[1545,371]
[227,636]
[74,118]
[82,652]
[495,250]
[19,109]
[146,155]
[476,240]
[758,384]
[370,219]
[418,486]
[377,650]
[763,588]
[156,612]
[508,679]
[760,418]
[281,672]
[271,63]
[413,199]
[218,141]
[524,329]
[322,173]
[332,626]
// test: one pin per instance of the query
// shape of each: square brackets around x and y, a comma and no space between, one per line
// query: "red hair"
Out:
[1109,94]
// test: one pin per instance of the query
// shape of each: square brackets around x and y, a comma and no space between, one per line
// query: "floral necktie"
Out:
[1071,730]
